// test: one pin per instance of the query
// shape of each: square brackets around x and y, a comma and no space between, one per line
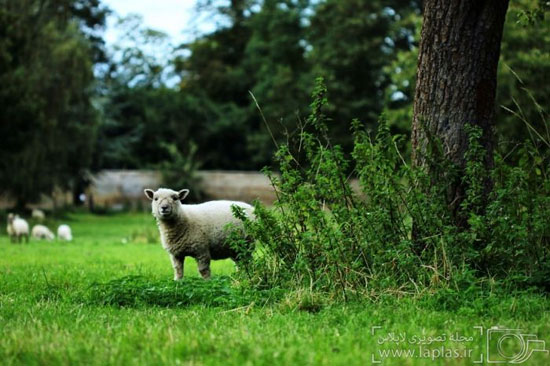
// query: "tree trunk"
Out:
[456,80]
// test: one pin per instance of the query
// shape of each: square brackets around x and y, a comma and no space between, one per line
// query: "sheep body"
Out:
[9,227]
[17,228]
[64,232]
[38,214]
[198,231]
[42,232]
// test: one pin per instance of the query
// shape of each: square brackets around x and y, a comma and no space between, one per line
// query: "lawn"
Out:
[54,310]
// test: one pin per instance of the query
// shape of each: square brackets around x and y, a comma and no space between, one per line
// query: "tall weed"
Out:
[323,235]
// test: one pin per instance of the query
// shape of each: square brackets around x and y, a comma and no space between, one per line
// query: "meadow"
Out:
[108,298]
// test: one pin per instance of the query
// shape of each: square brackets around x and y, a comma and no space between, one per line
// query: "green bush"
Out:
[396,234]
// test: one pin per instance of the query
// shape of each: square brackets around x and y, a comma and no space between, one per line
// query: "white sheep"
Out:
[197,231]
[42,232]
[17,228]
[64,232]
[39,215]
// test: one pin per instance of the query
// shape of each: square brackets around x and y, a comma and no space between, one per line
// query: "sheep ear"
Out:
[149,193]
[182,194]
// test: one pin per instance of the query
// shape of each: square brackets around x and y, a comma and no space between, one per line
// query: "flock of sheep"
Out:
[18,229]
[199,231]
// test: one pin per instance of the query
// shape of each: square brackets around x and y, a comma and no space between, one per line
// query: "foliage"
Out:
[138,122]
[47,121]
[365,50]
[258,52]
[522,63]
[180,171]
[270,48]
[140,55]
[325,236]
[535,14]
[352,44]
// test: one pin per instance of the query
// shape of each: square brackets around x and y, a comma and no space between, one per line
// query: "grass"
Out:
[107,299]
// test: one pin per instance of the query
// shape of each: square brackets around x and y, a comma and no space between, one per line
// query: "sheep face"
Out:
[11,217]
[165,203]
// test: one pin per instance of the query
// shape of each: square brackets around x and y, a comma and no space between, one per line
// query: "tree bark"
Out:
[456,80]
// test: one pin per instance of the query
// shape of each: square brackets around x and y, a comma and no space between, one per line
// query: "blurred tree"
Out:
[524,71]
[367,51]
[352,42]
[275,48]
[141,115]
[141,55]
[212,75]
[47,119]
[275,60]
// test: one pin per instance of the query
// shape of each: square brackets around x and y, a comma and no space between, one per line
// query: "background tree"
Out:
[47,117]
[524,72]
[214,78]
[275,56]
[352,43]
[275,48]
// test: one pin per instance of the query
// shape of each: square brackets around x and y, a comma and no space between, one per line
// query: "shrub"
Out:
[396,234]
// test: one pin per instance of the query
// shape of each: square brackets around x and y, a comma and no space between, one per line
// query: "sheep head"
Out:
[166,203]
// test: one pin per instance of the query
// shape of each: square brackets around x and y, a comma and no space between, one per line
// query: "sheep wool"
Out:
[41,232]
[38,215]
[197,231]
[17,228]
[64,232]
[9,226]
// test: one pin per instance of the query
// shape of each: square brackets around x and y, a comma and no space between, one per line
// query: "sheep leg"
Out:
[177,264]
[204,266]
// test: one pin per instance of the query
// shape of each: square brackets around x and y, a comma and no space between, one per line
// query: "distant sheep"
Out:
[17,228]
[64,233]
[38,215]
[198,231]
[42,232]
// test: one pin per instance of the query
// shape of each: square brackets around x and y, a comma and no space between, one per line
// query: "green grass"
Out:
[107,299]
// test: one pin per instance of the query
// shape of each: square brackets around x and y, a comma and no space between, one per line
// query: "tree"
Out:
[214,78]
[276,48]
[258,49]
[456,82]
[47,121]
[352,42]
[275,58]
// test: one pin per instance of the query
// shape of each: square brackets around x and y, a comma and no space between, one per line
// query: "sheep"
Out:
[39,215]
[42,232]
[198,231]
[17,228]
[64,232]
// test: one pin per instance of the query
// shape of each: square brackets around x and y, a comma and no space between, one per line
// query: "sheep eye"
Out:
[175,198]
[156,198]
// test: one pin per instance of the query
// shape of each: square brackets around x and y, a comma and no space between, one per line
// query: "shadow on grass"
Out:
[134,291]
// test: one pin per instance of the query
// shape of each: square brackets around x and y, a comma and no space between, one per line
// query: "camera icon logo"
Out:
[512,346]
